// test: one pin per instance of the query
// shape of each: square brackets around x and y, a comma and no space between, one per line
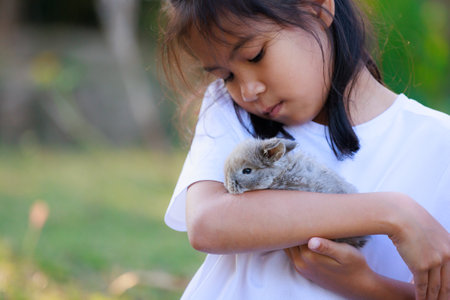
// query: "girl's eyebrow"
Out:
[239,44]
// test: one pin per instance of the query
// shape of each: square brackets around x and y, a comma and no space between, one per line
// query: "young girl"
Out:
[300,69]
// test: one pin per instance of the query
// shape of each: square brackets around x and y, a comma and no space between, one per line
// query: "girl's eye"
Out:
[246,171]
[228,78]
[258,56]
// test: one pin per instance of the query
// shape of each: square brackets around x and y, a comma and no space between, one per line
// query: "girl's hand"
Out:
[425,247]
[341,268]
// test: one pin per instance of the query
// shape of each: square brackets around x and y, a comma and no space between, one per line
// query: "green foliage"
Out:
[105,218]
[415,50]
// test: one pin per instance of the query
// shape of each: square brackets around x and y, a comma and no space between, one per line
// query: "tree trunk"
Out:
[119,20]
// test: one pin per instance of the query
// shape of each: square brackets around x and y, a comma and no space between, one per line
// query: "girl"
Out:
[300,69]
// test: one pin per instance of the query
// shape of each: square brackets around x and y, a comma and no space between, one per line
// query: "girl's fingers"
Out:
[444,293]
[294,255]
[421,284]
[339,252]
[434,283]
[323,246]
[288,253]
[294,252]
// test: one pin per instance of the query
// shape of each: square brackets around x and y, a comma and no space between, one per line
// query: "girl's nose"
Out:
[250,90]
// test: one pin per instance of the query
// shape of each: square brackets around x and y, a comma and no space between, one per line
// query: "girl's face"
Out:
[275,73]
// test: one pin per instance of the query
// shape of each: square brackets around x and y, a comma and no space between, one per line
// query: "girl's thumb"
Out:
[337,251]
[317,244]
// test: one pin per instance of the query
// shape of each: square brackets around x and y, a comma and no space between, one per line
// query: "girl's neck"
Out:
[368,99]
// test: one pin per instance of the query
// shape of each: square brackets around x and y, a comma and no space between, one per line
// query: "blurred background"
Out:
[89,153]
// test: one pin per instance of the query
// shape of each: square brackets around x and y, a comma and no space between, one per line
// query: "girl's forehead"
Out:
[209,49]
[220,49]
[229,36]
[231,29]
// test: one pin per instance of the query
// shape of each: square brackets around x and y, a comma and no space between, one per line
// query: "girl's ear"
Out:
[325,11]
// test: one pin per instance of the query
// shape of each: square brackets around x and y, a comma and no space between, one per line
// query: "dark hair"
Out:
[347,36]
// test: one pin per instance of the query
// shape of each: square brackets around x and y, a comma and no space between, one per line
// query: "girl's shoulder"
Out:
[217,94]
[216,103]
[218,114]
[423,115]
[430,126]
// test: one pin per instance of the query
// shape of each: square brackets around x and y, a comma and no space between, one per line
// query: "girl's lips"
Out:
[273,111]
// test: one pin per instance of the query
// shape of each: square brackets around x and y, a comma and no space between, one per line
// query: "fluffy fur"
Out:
[269,164]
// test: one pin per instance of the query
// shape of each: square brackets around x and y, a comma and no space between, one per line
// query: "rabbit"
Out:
[257,164]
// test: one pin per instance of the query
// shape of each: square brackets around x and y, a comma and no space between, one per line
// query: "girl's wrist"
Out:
[384,288]
[395,217]
[373,286]
[369,285]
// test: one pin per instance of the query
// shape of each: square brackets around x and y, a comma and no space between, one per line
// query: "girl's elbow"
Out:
[199,241]
[207,228]
[201,234]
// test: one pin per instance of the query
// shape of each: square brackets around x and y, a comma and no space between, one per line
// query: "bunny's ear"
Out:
[273,150]
[290,145]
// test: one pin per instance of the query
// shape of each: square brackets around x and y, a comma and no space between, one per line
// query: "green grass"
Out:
[106,218]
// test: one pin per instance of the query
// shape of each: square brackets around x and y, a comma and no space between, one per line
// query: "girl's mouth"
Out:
[273,111]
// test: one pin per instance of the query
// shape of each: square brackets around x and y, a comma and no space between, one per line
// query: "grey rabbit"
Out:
[268,164]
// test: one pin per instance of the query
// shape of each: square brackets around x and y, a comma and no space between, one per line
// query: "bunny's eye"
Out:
[246,171]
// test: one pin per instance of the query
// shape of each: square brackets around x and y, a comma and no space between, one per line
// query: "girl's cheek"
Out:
[233,91]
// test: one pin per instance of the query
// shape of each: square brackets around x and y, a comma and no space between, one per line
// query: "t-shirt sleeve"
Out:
[217,132]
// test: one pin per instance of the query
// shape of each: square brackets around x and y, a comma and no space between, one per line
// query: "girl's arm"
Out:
[219,222]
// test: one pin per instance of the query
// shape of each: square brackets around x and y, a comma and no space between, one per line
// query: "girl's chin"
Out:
[293,122]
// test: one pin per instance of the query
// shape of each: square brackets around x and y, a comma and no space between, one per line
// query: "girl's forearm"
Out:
[219,222]
[375,287]
[384,288]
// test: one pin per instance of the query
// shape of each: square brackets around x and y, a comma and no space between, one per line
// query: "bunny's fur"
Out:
[268,164]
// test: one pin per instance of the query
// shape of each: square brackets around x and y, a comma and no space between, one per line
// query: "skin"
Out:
[324,262]
[260,85]
[262,77]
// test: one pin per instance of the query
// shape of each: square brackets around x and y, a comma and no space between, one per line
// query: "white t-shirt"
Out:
[405,149]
